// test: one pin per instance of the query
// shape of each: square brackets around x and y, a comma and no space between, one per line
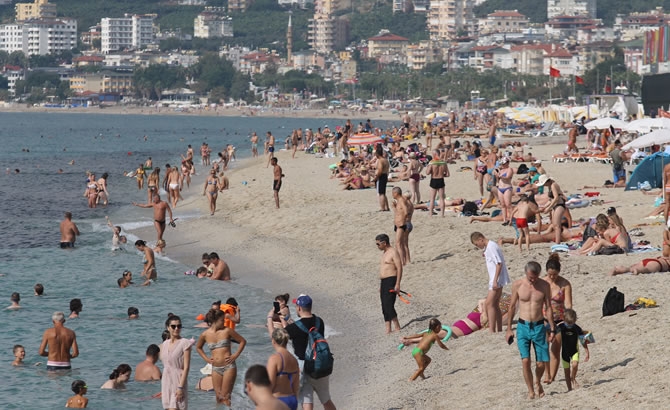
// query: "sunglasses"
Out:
[175,326]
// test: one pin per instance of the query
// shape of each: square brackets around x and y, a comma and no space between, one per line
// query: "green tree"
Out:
[151,81]
[212,71]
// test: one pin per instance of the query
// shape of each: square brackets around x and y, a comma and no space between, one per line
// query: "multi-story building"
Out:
[128,32]
[634,24]
[449,19]
[12,74]
[568,27]
[387,46]
[239,5]
[325,6]
[300,3]
[257,62]
[212,23]
[102,82]
[321,33]
[402,6]
[421,54]
[571,8]
[530,58]
[503,21]
[40,9]
[563,60]
[39,37]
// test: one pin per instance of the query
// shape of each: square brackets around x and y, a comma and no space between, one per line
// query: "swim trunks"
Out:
[271,149]
[534,333]
[66,245]
[381,184]
[388,298]
[276,185]
[521,223]
[619,175]
[437,183]
[57,366]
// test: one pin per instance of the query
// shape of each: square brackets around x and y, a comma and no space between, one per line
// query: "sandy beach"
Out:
[321,242]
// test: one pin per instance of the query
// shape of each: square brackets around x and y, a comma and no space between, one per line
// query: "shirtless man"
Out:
[491,133]
[390,273]
[254,145]
[68,232]
[173,183]
[147,370]
[276,182]
[270,140]
[160,207]
[437,170]
[59,340]
[532,294]
[406,119]
[400,223]
[221,268]
[381,178]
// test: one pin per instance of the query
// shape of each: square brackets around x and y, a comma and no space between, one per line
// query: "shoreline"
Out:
[234,243]
[278,113]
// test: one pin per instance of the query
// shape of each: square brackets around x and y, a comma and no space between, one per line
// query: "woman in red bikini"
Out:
[561,299]
[648,265]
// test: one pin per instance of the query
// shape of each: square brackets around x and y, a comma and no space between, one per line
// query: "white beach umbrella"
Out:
[602,123]
[648,124]
[658,137]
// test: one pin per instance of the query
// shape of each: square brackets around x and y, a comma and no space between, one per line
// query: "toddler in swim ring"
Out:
[420,352]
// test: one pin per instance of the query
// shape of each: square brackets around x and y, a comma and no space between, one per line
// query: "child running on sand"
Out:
[78,401]
[570,333]
[427,340]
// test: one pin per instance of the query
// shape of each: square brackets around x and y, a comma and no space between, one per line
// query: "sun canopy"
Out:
[658,137]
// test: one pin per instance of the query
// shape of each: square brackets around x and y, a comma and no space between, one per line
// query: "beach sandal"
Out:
[636,232]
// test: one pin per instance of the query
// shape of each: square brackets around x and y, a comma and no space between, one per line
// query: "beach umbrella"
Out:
[648,124]
[658,137]
[436,114]
[602,123]
[364,139]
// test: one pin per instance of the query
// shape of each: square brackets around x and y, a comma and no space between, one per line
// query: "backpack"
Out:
[318,358]
[470,209]
[613,303]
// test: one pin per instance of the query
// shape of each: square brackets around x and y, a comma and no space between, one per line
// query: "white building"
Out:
[213,22]
[39,37]
[300,3]
[449,19]
[571,8]
[134,31]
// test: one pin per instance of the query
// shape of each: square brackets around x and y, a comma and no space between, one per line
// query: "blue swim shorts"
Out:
[535,333]
[619,175]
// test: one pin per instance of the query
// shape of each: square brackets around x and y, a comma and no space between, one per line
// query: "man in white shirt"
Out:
[498,278]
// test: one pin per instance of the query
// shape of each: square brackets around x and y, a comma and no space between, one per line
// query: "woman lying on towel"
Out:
[648,265]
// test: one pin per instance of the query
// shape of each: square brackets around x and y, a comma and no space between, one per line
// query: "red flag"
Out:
[554,72]
[579,80]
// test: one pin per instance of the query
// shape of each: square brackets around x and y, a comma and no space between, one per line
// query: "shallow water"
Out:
[31,206]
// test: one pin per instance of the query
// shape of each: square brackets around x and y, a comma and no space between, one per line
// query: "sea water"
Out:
[32,203]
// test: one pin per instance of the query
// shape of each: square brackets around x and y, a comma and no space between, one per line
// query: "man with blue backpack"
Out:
[314,357]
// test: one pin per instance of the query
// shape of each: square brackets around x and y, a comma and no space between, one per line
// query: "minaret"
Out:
[289,41]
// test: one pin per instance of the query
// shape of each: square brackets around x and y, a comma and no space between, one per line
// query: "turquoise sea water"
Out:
[32,204]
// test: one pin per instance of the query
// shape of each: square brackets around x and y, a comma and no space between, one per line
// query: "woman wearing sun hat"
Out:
[556,205]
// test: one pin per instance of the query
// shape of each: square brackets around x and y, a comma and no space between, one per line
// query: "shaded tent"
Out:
[649,170]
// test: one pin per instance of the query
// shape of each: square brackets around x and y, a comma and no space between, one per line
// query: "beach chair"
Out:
[544,131]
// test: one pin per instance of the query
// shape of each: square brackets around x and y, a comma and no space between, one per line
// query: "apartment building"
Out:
[40,9]
[450,19]
[633,25]
[102,82]
[503,21]
[388,48]
[39,37]
[585,8]
[321,33]
[127,32]
[568,27]
[421,54]
[239,5]
[213,23]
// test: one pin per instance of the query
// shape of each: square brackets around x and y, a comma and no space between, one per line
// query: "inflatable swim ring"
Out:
[444,339]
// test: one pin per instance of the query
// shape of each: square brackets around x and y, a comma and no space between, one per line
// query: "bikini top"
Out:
[283,373]
[219,345]
[211,182]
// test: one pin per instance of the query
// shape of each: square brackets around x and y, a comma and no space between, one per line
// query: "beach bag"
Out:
[523,169]
[318,358]
[470,209]
[610,250]
[613,303]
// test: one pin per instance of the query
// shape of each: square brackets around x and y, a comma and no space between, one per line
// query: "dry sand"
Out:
[321,242]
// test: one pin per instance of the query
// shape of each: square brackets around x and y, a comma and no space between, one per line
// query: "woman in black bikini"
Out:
[480,171]
[284,371]
[556,204]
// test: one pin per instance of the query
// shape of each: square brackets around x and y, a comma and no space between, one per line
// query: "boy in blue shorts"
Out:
[570,333]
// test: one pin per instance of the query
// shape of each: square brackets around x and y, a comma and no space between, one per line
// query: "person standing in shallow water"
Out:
[176,357]
[59,340]
[160,208]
